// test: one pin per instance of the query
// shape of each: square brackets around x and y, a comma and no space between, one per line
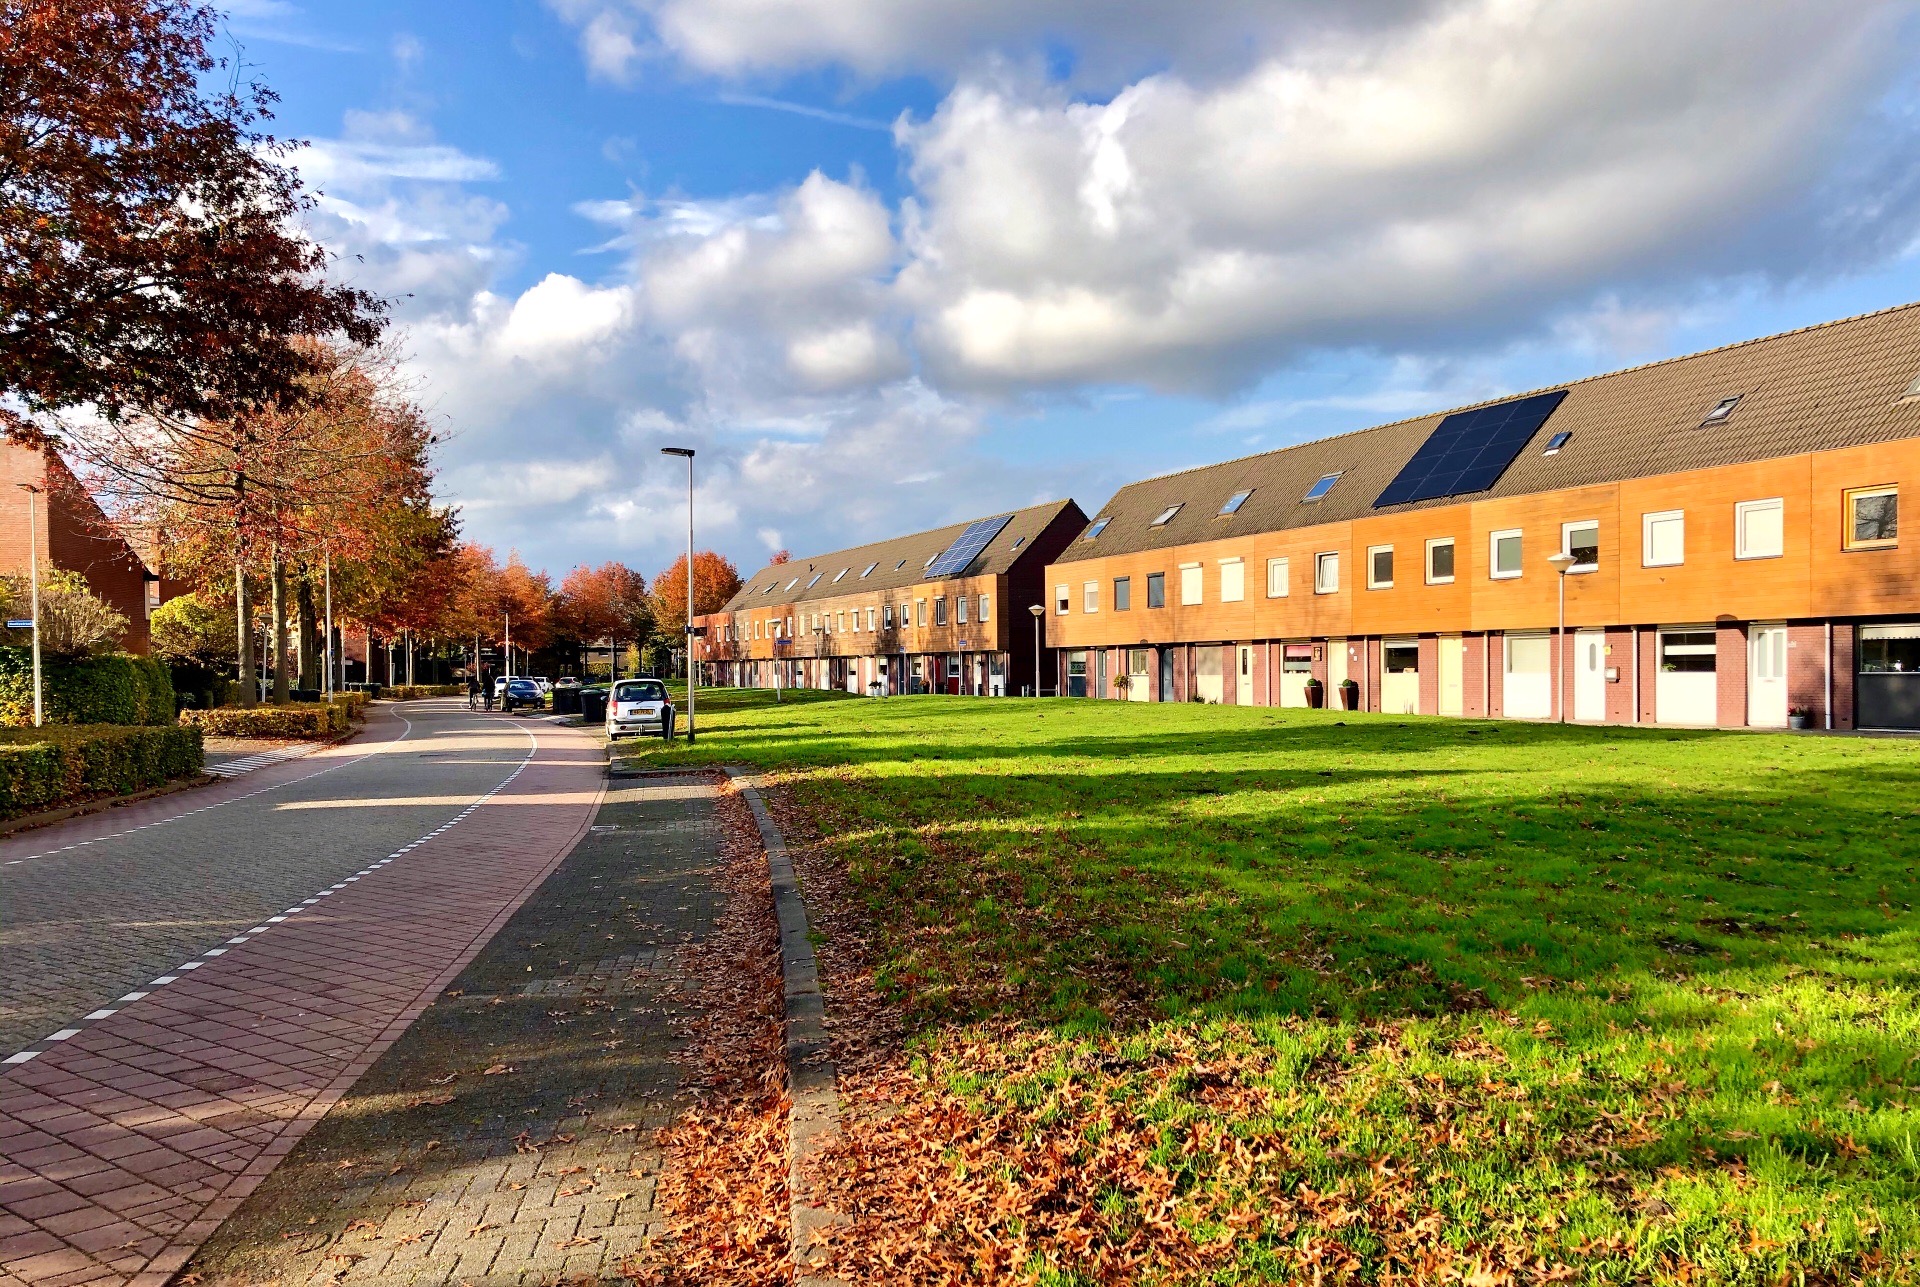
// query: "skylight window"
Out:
[1018,541]
[1722,409]
[816,580]
[1913,391]
[902,563]
[1166,515]
[1555,443]
[1099,526]
[1235,501]
[1321,488]
[771,587]
[869,571]
[792,583]
[842,572]
[930,559]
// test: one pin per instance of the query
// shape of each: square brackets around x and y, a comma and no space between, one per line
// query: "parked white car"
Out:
[638,706]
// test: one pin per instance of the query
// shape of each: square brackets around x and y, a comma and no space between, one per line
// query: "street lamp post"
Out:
[1038,612]
[1561,561]
[693,681]
[33,581]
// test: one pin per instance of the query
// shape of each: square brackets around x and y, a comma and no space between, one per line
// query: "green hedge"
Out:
[114,688]
[353,699]
[412,692]
[64,764]
[299,719]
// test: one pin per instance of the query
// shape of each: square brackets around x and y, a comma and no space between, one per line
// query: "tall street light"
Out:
[33,580]
[692,679]
[1561,561]
[1038,612]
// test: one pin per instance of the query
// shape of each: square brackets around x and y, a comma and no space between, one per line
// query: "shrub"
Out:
[354,700]
[301,719]
[66,763]
[189,629]
[413,692]
[74,621]
[116,688]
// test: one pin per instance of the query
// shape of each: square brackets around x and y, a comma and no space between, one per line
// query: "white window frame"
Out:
[920,614]
[1566,543]
[985,600]
[870,620]
[1322,562]
[1493,553]
[1373,582]
[960,605]
[1233,587]
[1647,524]
[1090,596]
[1280,573]
[1741,510]
[1062,600]
[1434,544]
[1197,582]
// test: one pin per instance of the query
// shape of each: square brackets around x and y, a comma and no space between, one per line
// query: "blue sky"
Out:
[889,265]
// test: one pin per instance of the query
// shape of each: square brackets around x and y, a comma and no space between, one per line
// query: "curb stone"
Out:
[814,1119]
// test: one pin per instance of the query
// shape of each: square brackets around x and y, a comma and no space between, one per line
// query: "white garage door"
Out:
[1686,690]
[1529,677]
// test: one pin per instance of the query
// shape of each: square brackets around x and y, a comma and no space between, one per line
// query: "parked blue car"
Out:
[522,693]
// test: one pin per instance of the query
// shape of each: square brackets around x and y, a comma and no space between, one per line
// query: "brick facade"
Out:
[1730,663]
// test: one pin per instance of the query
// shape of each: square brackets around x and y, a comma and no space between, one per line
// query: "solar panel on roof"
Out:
[1469,450]
[966,549]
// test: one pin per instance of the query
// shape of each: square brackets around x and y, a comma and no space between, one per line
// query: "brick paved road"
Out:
[323,905]
[579,996]
[81,927]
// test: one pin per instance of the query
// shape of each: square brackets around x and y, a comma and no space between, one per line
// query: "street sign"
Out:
[21,625]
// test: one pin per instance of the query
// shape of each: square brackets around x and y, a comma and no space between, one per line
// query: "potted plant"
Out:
[1316,693]
[1799,716]
[1350,694]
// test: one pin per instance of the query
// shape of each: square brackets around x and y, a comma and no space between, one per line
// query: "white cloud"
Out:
[1499,155]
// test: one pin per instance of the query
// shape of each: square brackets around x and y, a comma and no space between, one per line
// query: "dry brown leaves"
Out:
[724,1186]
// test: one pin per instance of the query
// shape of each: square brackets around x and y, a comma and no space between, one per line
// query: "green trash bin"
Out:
[593,705]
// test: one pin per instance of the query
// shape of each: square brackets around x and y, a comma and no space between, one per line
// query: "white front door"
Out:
[1243,676]
[1528,678]
[1208,682]
[1686,689]
[1590,676]
[1767,677]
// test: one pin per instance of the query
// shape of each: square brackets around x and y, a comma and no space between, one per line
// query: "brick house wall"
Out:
[1429,653]
[1620,691]
[1649,675]
[1370,698]
[1844,661]
[1473,670]
[1730,677]
[1806,675]
[72,534]
[1496,652]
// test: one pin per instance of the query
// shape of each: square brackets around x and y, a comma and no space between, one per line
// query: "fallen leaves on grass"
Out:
[430,1101]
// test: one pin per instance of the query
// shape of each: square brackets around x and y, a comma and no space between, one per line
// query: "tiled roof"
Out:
[901,561]
[1839,384]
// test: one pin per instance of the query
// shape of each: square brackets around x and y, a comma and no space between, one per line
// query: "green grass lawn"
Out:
[1635,1003]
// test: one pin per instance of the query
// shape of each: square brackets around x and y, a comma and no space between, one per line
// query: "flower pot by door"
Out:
[1350,698]
[1797,721]
[1316,696]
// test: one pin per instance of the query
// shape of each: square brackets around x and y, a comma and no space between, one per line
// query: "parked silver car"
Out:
[639,706]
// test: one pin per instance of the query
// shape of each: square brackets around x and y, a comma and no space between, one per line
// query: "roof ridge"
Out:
[1522,393]
[906,536]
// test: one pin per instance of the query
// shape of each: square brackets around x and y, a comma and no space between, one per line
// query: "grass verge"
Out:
[1184,993]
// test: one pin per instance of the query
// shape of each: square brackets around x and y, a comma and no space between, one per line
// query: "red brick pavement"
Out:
[124,1147]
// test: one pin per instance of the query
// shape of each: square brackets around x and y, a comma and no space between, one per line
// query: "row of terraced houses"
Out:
[1711,540]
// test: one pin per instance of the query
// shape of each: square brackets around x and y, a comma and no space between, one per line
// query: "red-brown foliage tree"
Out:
[715,580]
[148,254]
[608,603]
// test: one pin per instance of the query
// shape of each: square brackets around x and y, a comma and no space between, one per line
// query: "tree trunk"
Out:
[309,636]
[277,632]
[244,625]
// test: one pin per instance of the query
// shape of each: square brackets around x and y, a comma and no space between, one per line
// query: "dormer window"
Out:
[1722,409]
[1099,526]
[1235,501]
[1321,488]
[1166,515]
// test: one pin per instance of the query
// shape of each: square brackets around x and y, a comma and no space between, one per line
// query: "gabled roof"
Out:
[900,561]
[1839,384]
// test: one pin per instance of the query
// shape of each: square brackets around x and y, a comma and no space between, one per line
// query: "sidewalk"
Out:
[509,1136]
[129,1138]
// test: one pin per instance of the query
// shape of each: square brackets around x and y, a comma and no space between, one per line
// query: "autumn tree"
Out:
[715,580]
[609,602]
[149,257]
[780,557]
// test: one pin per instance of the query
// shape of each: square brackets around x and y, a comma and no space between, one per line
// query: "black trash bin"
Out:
[593,705]
[566,701]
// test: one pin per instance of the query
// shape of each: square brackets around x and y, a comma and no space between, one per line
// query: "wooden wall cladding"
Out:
[1814,576]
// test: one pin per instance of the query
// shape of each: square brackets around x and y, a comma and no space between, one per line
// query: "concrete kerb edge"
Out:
[814,1118]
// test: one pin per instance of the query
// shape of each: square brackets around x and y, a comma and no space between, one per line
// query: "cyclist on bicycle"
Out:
[486,689]
[473,690]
